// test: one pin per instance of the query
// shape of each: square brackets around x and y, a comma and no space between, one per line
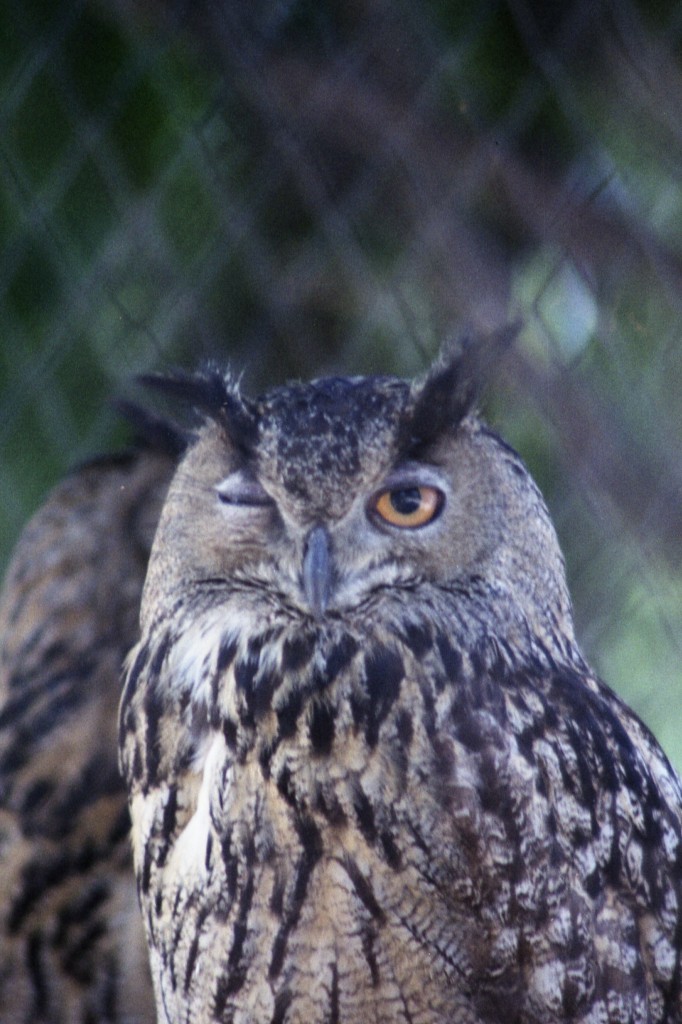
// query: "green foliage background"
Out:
[301,188]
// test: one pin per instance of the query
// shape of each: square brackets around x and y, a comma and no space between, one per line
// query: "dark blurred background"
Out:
[305,187]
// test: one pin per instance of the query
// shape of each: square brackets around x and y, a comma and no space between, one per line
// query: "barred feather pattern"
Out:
[395,817]
[72,946]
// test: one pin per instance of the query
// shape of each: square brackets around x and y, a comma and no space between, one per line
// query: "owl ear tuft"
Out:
[151,431]
[212,394]
[450,389]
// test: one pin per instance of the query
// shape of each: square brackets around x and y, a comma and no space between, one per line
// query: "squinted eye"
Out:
[409,507]
[238,489]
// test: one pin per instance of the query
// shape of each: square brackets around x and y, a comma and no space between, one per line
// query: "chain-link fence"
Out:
[299,187]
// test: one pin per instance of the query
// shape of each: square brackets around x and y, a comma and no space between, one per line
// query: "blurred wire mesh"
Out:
[303,187]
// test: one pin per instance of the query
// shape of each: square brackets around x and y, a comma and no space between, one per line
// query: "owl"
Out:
[72,946]
[370,776]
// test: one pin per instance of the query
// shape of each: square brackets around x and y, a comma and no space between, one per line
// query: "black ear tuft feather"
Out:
[211,394]
[445,396]
[450,389]
[152,431]
[205,391]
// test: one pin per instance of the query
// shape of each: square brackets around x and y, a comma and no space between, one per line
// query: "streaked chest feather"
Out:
[332,823]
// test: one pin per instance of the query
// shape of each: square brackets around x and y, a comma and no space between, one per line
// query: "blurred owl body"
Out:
[371,777]
[72,948]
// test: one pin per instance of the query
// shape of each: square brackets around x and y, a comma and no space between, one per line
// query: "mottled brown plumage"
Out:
[371,777]
[72,948]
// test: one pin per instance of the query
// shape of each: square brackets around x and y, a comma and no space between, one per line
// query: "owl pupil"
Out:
[406,501]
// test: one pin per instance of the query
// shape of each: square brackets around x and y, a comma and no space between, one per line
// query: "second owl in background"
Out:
[371,777]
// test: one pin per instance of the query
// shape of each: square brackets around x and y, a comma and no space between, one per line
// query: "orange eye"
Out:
[409,507]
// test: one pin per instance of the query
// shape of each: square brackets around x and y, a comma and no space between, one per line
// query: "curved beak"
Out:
[318,570]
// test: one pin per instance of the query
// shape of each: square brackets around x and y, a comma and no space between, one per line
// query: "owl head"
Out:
[334,498]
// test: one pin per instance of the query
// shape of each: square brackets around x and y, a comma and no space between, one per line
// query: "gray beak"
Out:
[318,569]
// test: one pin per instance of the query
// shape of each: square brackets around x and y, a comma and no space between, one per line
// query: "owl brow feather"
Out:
[451,388]
[214,395]
[441,401]
[151,431]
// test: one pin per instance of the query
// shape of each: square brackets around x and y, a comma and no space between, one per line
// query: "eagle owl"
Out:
[370,775]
